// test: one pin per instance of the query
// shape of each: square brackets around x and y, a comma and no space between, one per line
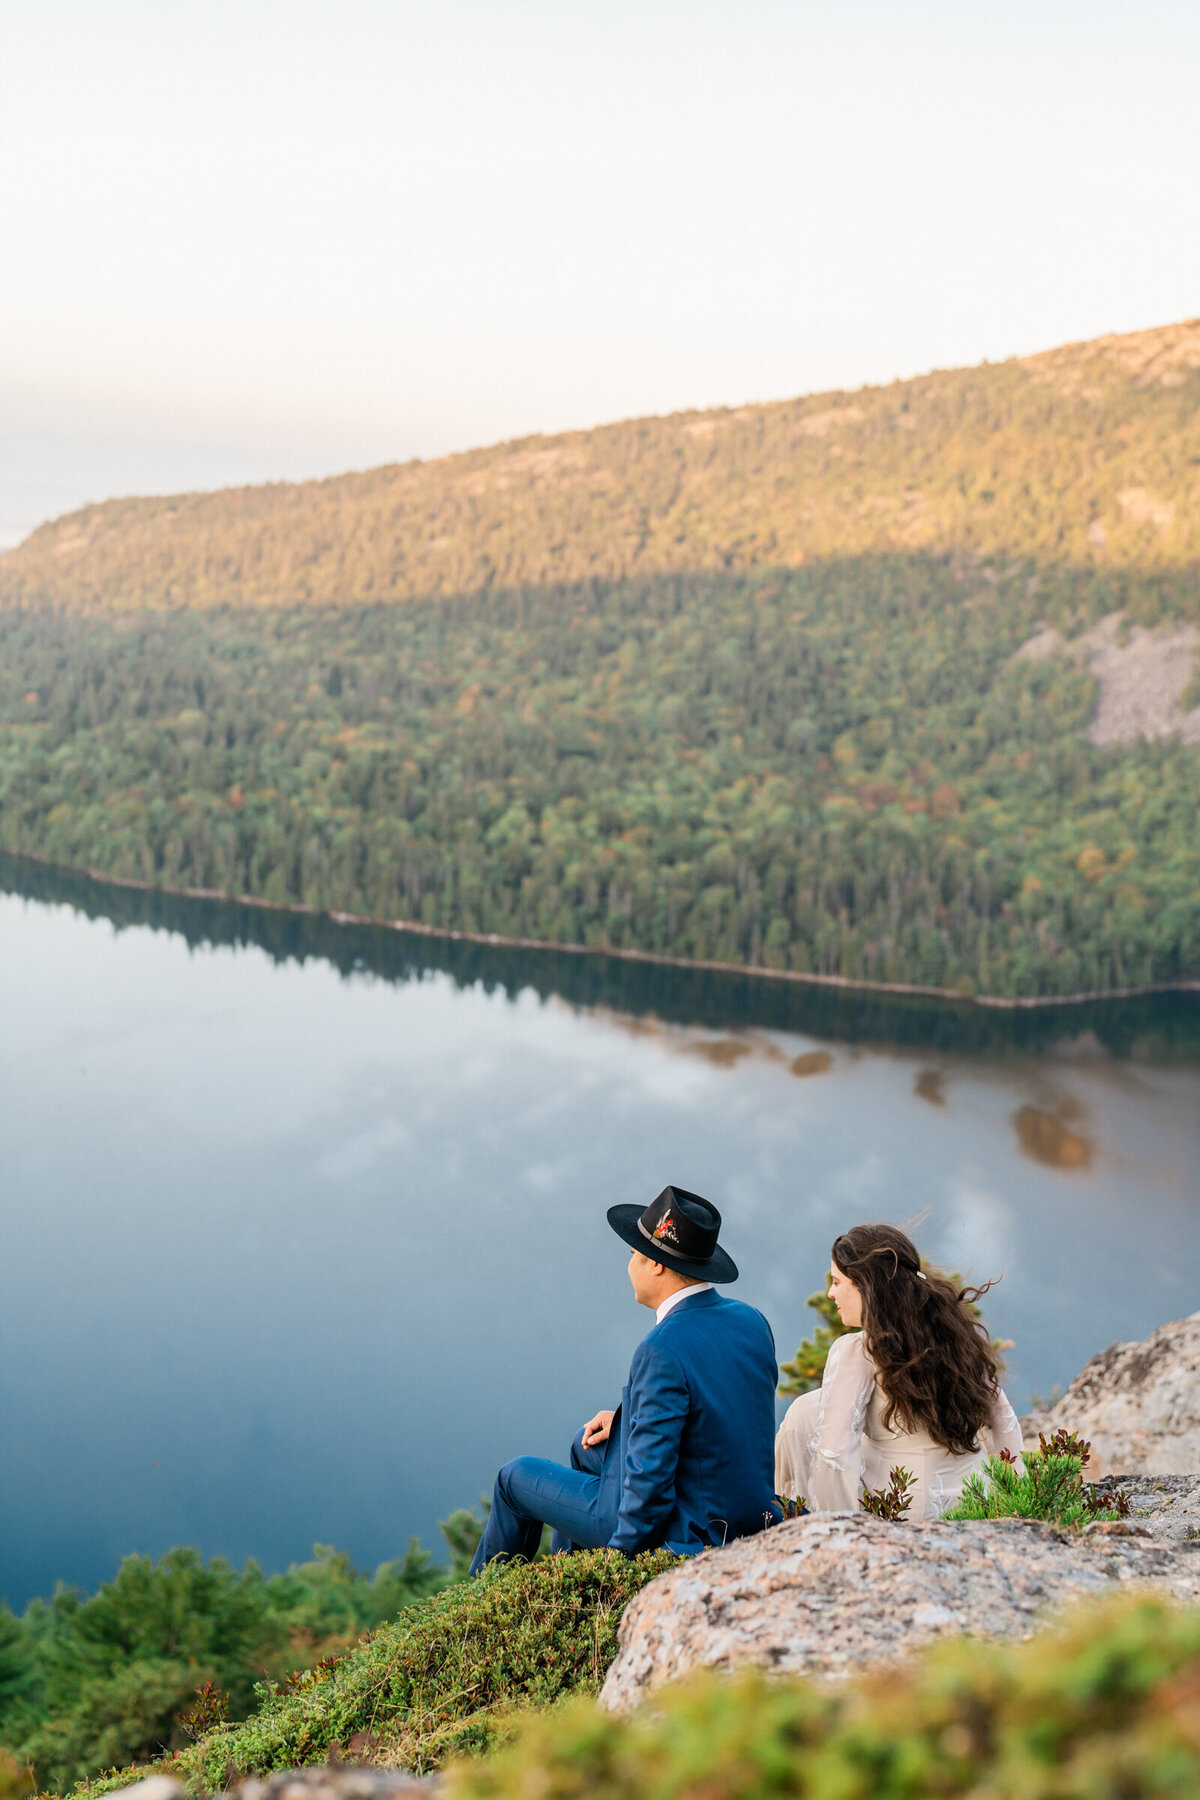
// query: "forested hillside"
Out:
[1087,456]
[740,686]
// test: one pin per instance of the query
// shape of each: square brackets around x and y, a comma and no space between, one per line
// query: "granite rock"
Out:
[156,1787]
[1166,1507]
[338,1781]
[833,1593]
[1137,1404]
[324,1781]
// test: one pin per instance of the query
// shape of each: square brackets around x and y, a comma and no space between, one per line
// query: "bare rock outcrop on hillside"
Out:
[1159,358]
[1142,682]
[1137,1404]
[835,1592]
[1142,675]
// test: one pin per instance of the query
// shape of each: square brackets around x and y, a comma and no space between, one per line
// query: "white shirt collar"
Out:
[698,1287]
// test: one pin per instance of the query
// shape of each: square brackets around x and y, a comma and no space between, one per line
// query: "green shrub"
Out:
[1046,1484]
[109,1672]
[442,1678]
[893,1501]
[836,770]
[1107,1708]
[123,1675]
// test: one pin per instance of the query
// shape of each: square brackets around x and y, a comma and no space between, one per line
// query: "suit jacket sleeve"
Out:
[658,1406]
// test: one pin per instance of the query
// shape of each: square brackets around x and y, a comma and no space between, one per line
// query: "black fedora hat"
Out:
[678,1230]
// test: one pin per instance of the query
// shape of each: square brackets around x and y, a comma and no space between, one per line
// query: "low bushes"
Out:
[461,1671]
[443,1677]
[1107,1708]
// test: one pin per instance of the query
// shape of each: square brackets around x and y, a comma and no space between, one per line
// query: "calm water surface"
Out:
[304,1226]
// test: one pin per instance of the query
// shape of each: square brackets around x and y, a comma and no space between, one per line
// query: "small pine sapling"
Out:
[1046,1483]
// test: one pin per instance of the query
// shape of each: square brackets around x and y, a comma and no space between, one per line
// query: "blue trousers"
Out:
[580,1508]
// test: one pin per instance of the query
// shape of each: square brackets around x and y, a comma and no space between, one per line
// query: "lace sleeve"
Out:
[837,1467]
[1004,1432]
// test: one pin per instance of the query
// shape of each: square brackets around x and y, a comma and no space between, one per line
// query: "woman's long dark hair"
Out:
[933,1359]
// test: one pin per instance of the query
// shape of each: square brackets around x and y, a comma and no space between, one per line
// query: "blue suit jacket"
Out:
[695,1435]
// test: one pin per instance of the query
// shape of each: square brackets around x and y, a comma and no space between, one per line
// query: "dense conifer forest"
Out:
[740,686]
[167,1649]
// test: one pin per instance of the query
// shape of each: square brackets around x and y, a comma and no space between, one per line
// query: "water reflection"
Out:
[930,1084]
[1158,1028]
[1048,1139]
[304,1226]
[722,1053]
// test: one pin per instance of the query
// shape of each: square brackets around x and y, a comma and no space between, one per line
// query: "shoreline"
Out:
[803,978]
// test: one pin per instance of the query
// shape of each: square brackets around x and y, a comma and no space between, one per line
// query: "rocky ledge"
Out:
[834,1593]
[1137,1404]
[326,1781]
[1167,1507]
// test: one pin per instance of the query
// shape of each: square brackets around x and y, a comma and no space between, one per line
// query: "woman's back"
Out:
[833,1443]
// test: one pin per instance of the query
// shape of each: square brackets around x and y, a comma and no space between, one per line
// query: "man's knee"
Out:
[517,1483]
[507,1477]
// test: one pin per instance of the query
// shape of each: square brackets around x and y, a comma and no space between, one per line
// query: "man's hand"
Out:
[596,1430]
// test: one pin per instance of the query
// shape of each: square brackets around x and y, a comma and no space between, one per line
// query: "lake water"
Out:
[304,1225]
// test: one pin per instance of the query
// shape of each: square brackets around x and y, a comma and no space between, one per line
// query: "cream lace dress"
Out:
[833,1444]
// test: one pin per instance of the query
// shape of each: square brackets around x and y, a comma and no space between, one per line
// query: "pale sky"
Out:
[251,239]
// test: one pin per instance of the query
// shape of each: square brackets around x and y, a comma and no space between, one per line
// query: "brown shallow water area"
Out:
[1049,1139]
[316,1213]
[1054,1133]
[930,1084]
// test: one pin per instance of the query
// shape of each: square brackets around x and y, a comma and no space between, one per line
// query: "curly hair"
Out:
[934,1361]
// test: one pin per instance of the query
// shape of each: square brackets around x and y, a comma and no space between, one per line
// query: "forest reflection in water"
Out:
[1155,1027]
[304,1224]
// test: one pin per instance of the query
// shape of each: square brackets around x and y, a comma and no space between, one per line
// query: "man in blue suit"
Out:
[687,1460]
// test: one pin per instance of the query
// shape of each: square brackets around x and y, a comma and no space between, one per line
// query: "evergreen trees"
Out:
[837,769]
[91,1682]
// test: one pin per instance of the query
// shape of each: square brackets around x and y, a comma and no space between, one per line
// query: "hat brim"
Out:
[720,1266]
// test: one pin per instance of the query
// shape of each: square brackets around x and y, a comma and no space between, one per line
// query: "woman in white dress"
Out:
[915,1387]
